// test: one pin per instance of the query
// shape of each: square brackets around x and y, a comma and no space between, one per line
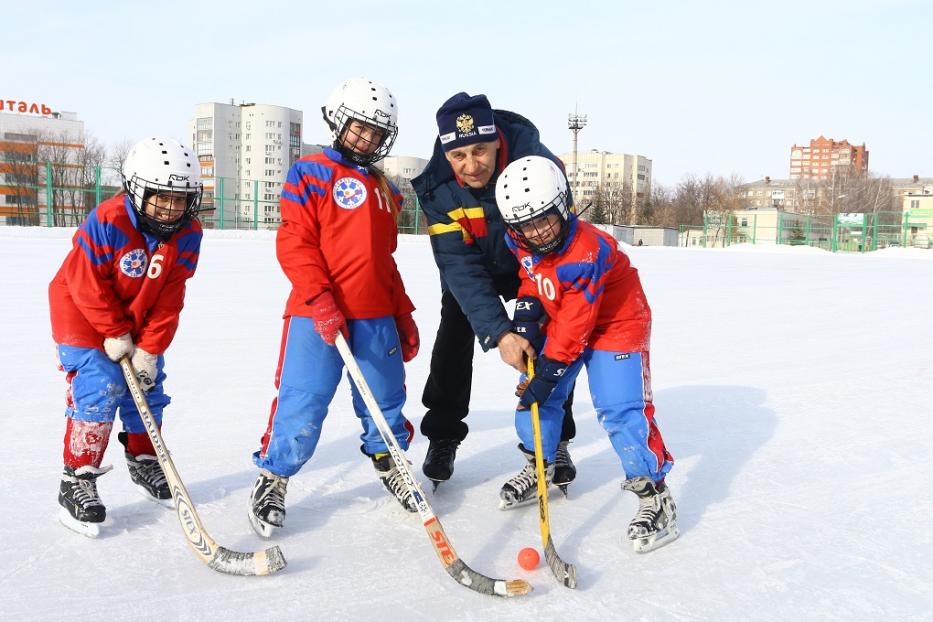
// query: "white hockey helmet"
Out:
[162,166]
[528,190]
[365,101]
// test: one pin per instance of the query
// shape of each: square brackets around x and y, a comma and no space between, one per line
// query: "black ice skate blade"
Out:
[261,527]
[651,543]
[90,530]
[166,503]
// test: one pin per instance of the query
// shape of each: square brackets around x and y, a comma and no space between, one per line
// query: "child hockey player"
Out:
[585,292]
[335,245]
[119,293]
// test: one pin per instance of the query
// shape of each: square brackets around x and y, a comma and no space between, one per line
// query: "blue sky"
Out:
[718,87]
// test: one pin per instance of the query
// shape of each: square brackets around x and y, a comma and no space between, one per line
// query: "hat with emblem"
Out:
[464,120]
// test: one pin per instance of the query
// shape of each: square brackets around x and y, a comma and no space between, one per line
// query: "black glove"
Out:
[547,374]
[529,318]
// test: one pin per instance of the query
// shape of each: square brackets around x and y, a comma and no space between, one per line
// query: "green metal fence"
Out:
[835,232]
[237,204]
[228,203]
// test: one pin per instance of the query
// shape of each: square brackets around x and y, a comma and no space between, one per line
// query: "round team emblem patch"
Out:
[349,192]
[133,264]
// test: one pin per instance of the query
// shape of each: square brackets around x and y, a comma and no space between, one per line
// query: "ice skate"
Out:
[392,479]
[522,489]
[439,461]
[82,510]
[267,503]
[564,469]
[655,524]
[148,476]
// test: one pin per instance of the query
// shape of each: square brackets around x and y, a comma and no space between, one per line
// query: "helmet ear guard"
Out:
[362,100]
[162,166]
[529,192]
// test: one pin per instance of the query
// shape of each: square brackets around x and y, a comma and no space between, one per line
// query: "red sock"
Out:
[139,443]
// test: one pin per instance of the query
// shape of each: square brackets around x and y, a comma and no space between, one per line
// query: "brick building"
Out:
[823,157]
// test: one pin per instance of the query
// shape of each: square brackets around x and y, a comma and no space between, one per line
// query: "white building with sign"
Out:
[29,139]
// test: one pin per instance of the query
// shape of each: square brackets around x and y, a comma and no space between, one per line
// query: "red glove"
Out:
[328,320]
[408,336]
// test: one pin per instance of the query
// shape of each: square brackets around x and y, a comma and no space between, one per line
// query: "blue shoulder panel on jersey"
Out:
[588,276]
[315,170]
[102,236]
[189,248]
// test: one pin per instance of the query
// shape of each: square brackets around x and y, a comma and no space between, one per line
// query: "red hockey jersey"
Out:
[338,233]
[591,293]
[117,280]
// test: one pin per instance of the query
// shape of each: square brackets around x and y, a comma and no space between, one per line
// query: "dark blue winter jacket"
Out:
[468,234]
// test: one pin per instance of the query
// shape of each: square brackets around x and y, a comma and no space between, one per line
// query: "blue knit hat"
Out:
[464,120]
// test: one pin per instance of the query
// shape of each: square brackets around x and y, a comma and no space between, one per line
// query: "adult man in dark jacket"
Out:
[457,194]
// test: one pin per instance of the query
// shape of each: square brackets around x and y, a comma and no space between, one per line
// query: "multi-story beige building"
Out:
[916,195]
[823,157]
[245,151]
[624,180]
[802,196]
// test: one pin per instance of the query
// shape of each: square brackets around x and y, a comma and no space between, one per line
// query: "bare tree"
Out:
[117,157]
[63,152]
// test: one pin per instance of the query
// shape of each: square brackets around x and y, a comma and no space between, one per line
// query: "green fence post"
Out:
[705,226]
[417,215]
[219,200]
[833,245]
[728,230]
[864,245]
[97,185]
[809,227]
[754,228]
[779,234]
[874,233]
[906,228]
[255,204]
[48,194]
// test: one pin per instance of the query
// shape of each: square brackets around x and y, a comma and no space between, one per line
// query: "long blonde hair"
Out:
[386,188]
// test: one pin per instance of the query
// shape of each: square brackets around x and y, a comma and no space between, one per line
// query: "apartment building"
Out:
[823,157]
[623,179]
[245,151]
[402,167]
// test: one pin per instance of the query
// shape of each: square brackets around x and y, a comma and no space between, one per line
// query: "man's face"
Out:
[475,163]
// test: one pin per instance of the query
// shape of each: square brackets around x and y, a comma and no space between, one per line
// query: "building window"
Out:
[915,204]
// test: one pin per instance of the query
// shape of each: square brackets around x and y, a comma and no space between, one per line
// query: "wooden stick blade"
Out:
[216,557]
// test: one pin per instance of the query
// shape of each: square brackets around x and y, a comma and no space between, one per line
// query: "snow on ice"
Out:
[792,387]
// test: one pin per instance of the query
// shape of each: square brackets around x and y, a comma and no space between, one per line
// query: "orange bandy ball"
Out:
[528,558]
